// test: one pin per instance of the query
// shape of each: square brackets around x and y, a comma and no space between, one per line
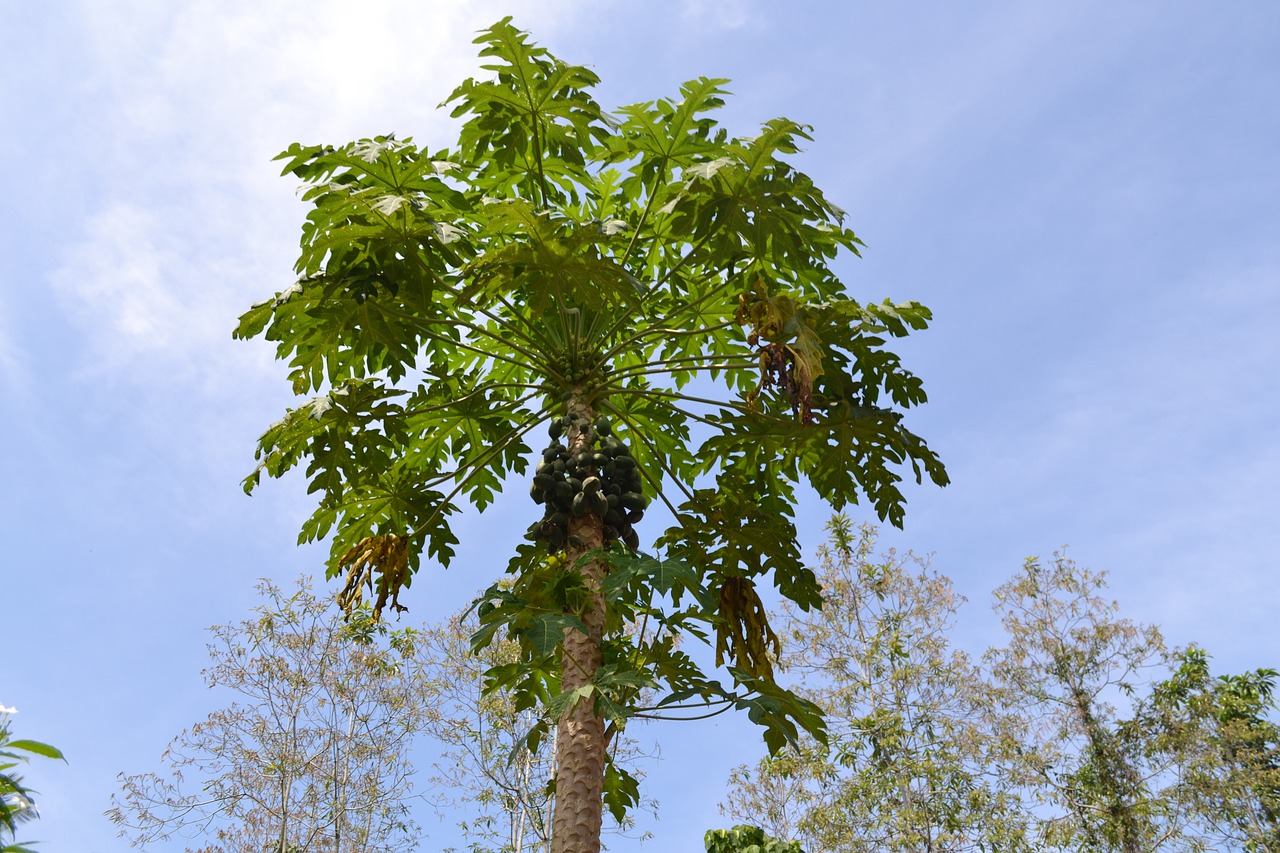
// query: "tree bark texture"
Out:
[580,745]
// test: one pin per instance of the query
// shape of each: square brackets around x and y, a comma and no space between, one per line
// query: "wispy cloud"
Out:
[190,103]
[722,14]
[120,283]
[13,371]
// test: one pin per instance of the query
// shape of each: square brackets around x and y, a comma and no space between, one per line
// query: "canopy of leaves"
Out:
[644,265]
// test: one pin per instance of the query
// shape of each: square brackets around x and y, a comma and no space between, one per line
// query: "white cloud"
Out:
[114,283]
[152,304]
[190,104]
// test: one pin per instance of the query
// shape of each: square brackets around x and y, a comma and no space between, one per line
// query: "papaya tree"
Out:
[656,295]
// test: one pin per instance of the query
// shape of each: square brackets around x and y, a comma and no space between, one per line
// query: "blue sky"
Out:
[1087,195]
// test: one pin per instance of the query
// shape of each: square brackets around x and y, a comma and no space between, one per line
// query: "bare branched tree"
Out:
[494,779]
[312,756]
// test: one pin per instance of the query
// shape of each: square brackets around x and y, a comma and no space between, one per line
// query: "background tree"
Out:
[905,767]
[662,295]
[1227,745]
[1073,681]
[1066,661]
[311,758]
[1081,733]
[503,789]
[17,805]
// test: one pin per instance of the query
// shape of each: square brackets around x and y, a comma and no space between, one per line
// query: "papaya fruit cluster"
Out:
[601,478]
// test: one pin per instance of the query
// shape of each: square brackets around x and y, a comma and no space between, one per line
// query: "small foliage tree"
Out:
[747,839]
[660,297]
[312,758]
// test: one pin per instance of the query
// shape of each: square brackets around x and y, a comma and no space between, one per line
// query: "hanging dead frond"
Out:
[743,629]
[379,564]
[791,358]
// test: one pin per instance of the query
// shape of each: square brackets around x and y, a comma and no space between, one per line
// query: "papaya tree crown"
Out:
[642,266]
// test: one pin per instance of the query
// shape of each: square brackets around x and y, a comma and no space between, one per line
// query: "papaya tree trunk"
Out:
[580,744]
